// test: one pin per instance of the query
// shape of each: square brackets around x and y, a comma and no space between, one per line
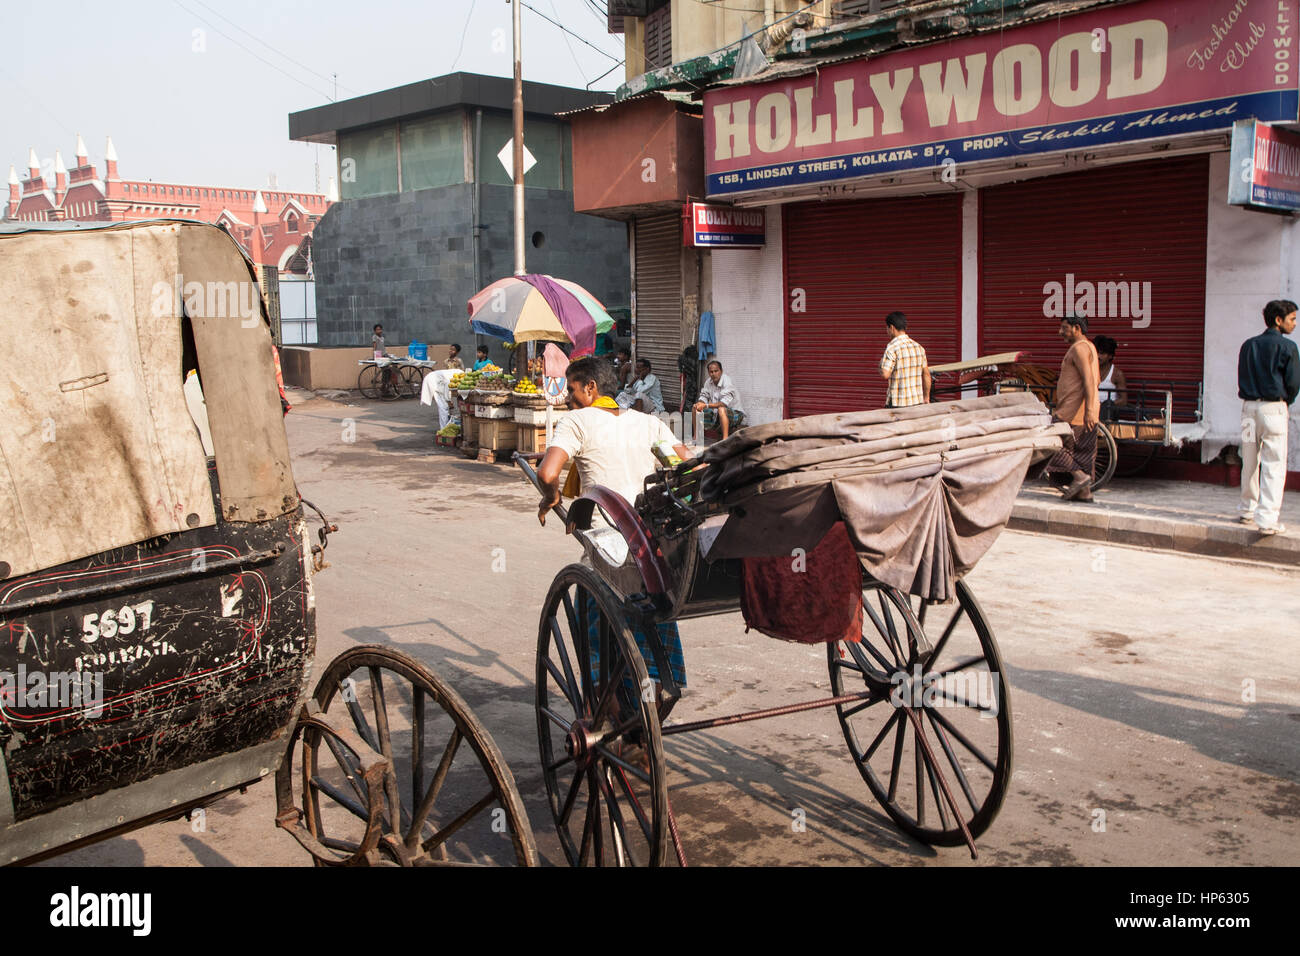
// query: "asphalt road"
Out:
[1160,689]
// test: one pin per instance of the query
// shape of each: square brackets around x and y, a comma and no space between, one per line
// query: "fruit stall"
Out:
[499,413]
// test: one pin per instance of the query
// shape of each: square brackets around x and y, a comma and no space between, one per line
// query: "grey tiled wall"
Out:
[407,260]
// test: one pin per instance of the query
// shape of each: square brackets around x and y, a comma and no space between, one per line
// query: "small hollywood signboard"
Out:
[1265,168]
[712,226]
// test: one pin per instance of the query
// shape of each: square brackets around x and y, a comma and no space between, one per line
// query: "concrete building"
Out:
[981,169]
[425,217]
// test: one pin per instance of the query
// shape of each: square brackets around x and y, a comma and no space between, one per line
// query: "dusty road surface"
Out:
[1156,697]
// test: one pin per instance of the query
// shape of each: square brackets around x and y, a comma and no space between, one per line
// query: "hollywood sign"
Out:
[1070,71]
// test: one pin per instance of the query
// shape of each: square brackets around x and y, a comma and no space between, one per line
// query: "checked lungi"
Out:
[1078,452]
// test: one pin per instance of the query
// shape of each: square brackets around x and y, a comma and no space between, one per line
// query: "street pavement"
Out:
[1156,695]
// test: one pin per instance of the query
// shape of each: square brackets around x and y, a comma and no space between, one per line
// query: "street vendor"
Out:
[453,357]
[719,401]
[611,447]
[482,360]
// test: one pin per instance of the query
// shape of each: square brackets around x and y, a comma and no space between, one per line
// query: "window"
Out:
[543,138]
[433,151]
[368,159]
[291,223]
[297,311]
[659,38]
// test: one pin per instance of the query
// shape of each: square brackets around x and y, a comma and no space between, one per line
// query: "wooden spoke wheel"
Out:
[1107,457]
[447,795]
[598,728]
[935,736]
[370,382]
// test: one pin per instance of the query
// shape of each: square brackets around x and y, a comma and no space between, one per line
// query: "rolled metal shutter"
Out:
[1136,222]
[659,299]
[849,264]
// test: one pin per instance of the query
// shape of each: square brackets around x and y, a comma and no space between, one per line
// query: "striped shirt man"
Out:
[905,365]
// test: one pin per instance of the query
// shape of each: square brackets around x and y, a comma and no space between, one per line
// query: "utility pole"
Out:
[518,161]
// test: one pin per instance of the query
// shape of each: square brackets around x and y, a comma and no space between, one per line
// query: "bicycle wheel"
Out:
[408,382]
[1103,468]
[368,382]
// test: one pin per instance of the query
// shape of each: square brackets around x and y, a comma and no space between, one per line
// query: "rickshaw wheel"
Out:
[1103,468]
[598,728]
[369,382]
[945,680]
[443,803]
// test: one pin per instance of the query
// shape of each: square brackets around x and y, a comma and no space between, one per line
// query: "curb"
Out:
[1150,531]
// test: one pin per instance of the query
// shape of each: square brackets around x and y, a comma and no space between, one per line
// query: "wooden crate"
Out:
[497,434]
[531,439]
[468,430]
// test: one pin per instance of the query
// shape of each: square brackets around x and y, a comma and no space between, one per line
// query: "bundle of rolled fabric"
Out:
[923,491]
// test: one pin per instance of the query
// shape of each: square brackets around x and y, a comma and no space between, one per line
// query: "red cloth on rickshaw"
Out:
[804,598]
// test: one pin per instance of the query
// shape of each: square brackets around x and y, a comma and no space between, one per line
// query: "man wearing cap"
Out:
[1077,404]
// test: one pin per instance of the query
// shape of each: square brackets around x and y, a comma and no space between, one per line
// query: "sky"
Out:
[199,91]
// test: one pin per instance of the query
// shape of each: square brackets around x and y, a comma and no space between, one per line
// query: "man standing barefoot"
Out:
[1077,404]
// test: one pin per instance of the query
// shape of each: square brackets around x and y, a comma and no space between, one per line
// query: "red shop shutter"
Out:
[856,262]
[1136,222]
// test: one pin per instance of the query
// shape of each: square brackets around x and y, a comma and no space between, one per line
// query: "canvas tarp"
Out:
[98,448]
[923,491]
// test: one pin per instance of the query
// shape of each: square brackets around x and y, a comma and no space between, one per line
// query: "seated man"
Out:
[644,393]
[623,367]
[612,447]
[1113,390]
[719,401]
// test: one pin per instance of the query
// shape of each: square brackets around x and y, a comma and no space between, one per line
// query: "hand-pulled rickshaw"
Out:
[156,579]
[853,530]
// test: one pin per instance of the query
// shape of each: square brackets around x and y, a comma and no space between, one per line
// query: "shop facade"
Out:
[988,185]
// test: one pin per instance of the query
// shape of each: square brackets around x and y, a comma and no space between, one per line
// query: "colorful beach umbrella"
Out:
[540,308]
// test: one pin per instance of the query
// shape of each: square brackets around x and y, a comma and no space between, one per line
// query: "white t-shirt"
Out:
[612,450]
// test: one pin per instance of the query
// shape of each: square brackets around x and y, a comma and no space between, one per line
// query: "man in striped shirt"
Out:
[905,366]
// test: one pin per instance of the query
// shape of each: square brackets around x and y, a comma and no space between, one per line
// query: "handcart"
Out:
[157,580]
[883,513]
[391,378]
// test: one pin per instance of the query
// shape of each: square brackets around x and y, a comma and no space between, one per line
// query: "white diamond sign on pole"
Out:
[507,158]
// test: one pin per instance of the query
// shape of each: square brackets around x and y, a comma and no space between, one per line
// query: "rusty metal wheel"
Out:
[598,728]
[445,795]
[935,737]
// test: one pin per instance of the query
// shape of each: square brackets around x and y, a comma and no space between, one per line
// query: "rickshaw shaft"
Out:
[760,714]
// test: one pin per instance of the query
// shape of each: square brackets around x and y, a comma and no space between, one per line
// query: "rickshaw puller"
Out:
[611,447]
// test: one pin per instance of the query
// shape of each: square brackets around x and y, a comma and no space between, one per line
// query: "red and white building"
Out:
[274,226]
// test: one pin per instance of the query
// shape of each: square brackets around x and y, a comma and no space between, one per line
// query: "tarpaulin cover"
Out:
[98,448]
[923,491]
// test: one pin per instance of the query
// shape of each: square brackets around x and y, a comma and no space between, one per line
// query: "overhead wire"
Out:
[252,53]
[463,34]
[580,39]
[278,52]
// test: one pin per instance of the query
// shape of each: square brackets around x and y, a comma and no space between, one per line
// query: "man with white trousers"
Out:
[1268,381]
